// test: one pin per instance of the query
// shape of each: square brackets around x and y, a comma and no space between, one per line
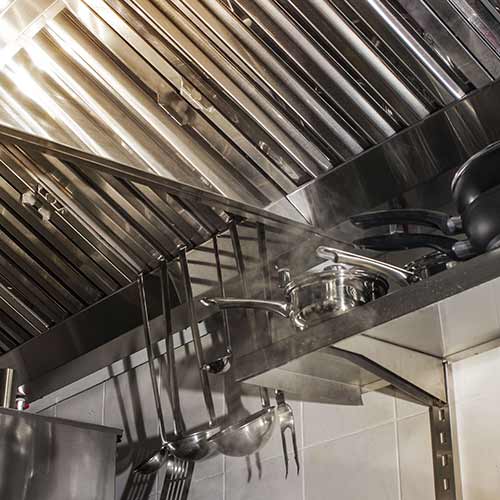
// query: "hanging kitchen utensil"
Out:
[250,434]
[177,487]
[266,273]
[350,281]
[284,413]
[222,364]
[162,456]
[172,385]
[195,446]
[192,446]
[287,422]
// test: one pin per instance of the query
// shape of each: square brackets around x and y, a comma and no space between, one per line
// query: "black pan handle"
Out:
[405,241]
[414,216]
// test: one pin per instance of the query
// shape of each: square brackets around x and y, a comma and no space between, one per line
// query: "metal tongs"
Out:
[286,421]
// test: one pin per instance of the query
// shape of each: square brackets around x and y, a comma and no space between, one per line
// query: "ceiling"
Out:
[247,99]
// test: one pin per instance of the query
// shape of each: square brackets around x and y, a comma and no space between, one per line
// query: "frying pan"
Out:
[480,222]
[479,174]
[476,191]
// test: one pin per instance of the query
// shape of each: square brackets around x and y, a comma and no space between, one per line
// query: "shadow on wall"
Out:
[141,487]
[130,405]
[130,453]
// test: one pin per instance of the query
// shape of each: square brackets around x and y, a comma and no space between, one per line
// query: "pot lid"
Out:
[336,272]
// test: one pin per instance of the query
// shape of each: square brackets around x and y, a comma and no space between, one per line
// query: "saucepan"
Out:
[350,280]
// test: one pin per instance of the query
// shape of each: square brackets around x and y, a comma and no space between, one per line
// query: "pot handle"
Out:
[416,216]
[405,241]
[402,276]
[276,306]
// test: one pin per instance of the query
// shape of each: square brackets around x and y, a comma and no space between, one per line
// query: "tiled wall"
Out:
[380,451]
[476,409]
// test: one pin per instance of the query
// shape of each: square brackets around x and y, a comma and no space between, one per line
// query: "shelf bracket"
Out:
[442,453]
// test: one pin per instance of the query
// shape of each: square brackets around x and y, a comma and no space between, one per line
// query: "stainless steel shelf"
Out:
[399,304]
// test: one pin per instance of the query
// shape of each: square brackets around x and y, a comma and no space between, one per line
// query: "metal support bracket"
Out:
[442,453]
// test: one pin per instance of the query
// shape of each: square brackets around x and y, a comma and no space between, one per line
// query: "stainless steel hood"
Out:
[130,128]
[78,228]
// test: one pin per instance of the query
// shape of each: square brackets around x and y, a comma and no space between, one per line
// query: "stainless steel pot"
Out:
[349,281]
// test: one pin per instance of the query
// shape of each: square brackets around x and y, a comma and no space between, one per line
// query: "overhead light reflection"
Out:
[20,114]
[31,89]
[4,4]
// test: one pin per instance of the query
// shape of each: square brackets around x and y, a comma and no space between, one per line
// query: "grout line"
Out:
[224,477]
[224,458]
[302,454]
[413,415]
[103,402]
[398,460]
[344,436]
[398,457]
[211,476]
[302,432]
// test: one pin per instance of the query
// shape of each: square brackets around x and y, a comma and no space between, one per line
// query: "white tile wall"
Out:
[85,407]
[407,409]
[476,411]
[208,488]
[363,465]
[475,376]
[243,483]
[474,310]
[326,422]
[415,458]
[379,451]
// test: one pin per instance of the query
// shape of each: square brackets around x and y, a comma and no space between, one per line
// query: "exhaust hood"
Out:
[131,128]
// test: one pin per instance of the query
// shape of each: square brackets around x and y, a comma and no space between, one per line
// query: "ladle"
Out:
[222,364]
[195,446]
[249,435]
[163,455]
[192,446]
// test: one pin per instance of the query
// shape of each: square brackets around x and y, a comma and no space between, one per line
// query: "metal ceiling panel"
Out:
[239,100]
[76,228]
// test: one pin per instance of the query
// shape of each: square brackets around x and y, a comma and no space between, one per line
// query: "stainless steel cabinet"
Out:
[44,458]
